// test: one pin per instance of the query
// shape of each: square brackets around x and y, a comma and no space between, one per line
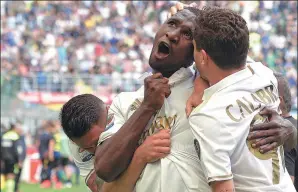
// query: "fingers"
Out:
[268,112]
[189,108]
[263,126]
[194,4]
[164,150]
[167,93]
[174,9]
[262,134]
[156,76]
[162,142]
[268,147]
[263,142]
[163,134]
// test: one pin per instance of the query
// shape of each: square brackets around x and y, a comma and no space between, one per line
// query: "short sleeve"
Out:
[214,145]
[86,166]
[116,119]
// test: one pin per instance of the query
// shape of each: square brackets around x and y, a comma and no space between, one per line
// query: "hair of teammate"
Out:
[223,35]
[284,91]
[79,114]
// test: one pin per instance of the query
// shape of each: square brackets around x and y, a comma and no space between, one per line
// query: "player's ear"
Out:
[204,57]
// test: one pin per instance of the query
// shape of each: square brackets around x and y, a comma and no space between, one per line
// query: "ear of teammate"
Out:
[278,131]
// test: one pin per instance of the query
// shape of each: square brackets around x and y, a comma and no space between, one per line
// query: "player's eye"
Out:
[188,35]
[171,23]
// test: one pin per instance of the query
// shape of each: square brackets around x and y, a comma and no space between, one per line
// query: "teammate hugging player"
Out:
[231,105]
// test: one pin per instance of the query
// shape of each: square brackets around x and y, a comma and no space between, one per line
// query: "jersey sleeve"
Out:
[87,167]
[115,121]
[214,145]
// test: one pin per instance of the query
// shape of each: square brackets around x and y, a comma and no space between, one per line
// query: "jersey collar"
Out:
[230,80]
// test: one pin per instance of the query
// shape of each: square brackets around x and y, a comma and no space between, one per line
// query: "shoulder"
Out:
[80,155]
[124,100]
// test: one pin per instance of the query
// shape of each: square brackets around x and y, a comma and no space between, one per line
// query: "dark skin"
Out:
[278,131]
[176,32]
[114,155]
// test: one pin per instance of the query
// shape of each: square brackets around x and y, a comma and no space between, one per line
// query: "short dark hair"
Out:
[224,35]
[284,90]
[79,114]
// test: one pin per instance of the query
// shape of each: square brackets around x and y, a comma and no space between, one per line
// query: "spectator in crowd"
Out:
[285,107]
[55,42]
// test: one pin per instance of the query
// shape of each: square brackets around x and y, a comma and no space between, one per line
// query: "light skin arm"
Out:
[154,147]
[114,155]
[128,179]
[223,186]
[196,97]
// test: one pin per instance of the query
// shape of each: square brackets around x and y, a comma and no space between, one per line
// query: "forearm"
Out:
[128,179]
[200,84]
[291,143]
[223,186]
[115,154]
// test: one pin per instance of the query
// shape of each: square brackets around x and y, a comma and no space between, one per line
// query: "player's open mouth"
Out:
[163,50]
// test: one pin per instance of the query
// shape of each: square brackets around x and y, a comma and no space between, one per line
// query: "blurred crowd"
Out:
[114,38]
[51,144]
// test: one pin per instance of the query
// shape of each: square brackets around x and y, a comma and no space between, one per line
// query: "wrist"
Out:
[147,108]
[138,158]
[200,85]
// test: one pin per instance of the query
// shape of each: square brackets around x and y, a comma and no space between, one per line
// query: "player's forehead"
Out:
[184,17]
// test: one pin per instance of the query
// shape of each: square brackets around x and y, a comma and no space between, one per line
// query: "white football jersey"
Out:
[180,170]
[84,161]
[222,123]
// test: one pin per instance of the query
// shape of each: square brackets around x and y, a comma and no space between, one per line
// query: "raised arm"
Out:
[113,156]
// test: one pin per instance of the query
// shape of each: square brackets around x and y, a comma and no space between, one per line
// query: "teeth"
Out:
[165,44]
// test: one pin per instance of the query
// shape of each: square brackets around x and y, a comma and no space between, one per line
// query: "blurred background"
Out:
[52,51]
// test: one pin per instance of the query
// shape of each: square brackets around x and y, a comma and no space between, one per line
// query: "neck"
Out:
[166,74]
[219,74]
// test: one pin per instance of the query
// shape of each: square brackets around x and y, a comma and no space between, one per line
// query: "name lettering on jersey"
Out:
[247,105]
[159,124]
